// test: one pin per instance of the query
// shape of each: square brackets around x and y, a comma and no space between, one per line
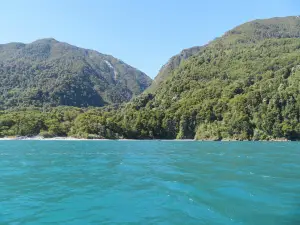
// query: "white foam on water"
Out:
[4,154]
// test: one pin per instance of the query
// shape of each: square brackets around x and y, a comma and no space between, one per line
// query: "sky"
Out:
[142,33]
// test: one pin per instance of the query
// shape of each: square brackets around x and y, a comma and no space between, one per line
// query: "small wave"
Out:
[220,154]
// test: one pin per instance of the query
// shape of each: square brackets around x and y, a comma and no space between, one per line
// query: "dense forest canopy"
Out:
[48,72]
[244,85]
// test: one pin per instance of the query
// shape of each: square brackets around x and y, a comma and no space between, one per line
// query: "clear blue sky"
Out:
[142,33]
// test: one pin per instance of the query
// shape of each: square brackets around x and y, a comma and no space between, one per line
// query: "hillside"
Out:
[51,73]
[257,30]
[171,65]
[253,31]
[244,85]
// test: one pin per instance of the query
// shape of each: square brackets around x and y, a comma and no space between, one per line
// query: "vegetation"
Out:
[243,86]
[171,65]
[50,73]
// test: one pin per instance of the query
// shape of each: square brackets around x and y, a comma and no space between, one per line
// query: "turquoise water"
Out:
[149,182]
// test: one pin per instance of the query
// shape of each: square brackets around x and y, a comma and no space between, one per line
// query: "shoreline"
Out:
[38,138]
[84,139]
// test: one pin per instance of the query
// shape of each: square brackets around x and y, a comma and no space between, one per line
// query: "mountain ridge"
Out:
[57,62]
[174,61]
[172,64]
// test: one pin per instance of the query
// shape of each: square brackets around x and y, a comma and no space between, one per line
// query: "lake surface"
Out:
[149,182]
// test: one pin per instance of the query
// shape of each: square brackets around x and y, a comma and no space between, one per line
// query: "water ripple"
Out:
[149,182]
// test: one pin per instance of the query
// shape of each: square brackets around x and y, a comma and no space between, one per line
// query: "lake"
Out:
[149,182]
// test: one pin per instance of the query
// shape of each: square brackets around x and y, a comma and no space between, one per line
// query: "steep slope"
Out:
[48,72]
[250,32]
[172,64]
[244,85]
[253,31]
[257,30]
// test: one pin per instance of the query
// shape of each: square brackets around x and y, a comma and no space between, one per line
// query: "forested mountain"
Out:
[249,32]
[244,85]
[257,30]
[51,73]
[171,65]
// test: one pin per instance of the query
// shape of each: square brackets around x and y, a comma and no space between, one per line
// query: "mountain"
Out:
[257,30]
[244,85]
[48,72]
[171,65]
[278,27]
